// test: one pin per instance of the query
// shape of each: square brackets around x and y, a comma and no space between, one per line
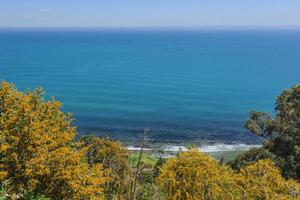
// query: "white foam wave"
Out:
[205,148]
[132,148]
[227,147]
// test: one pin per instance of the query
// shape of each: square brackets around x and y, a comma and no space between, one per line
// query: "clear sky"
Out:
[148,13]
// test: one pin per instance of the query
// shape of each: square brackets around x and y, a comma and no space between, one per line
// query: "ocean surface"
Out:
[189,85]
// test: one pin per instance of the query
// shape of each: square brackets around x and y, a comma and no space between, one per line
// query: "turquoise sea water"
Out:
[183,85]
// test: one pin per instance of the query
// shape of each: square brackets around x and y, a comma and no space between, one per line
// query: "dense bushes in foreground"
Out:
[194,175]
[40,159]
[37,153]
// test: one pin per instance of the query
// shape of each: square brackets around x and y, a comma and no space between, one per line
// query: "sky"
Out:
[148,13]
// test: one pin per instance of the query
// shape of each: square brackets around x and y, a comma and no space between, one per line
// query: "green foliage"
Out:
[2,193]
[31,196]
[157,166]
[282,132]
[149,191]
[148,160]
[250,157]
[146,176]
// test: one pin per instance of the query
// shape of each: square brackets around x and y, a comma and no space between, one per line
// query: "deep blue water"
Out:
[180,84]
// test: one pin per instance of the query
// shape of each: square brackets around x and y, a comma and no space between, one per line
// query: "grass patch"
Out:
[148,160]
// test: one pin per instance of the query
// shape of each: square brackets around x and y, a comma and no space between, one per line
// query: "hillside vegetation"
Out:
[40,158]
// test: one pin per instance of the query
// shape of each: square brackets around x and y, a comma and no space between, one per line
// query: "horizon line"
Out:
[217,27]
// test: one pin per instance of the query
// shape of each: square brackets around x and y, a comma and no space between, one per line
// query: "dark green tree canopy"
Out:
[282,132]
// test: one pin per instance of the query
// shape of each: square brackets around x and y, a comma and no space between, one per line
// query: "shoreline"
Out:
[218,147]
[219,151]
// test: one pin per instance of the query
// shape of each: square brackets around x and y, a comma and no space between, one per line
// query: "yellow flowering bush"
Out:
[193,175]
[35,149]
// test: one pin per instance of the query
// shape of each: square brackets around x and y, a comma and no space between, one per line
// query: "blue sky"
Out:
[148,13]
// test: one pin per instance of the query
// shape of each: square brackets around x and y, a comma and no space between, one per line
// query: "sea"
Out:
[181,85]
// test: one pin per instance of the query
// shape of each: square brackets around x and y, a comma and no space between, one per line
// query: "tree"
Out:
[282,133]
[112,156]
[36,153]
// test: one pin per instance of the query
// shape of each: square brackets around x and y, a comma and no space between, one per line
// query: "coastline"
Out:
[218,147]
[219,151]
